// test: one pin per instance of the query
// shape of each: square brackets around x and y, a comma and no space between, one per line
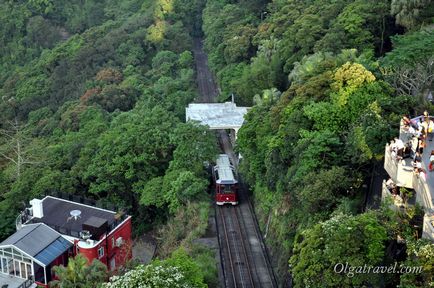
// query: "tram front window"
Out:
[226,189]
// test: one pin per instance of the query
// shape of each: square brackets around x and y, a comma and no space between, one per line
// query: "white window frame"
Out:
[100,252]
[15,261]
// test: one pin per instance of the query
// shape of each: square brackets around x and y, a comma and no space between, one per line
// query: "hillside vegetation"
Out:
[93,95]
[329,82]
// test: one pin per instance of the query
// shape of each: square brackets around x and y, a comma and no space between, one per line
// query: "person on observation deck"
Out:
[417,157]
[430,128]
[417,162]
[400,148]
[419,130]
[420,144]
[431,161]
[393,149]
[409,124]
[391,186]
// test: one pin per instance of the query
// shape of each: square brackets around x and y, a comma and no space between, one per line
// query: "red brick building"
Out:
[54,229]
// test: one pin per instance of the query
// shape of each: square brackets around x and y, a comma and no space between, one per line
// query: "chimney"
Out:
[38,210]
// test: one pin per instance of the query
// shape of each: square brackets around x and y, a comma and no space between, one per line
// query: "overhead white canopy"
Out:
[217,115]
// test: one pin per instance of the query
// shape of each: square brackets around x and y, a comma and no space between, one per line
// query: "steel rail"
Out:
[249,270]
[228,245]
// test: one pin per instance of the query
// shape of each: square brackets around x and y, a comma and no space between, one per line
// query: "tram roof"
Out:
[225,170]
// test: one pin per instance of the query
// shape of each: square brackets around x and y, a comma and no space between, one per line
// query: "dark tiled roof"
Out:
[57,215]
[39,241]
[32,238]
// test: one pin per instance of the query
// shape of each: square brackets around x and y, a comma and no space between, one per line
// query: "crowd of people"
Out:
[417,132]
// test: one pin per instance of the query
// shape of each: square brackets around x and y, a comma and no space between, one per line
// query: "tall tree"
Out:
[409,67]
[15,146]
[410,13]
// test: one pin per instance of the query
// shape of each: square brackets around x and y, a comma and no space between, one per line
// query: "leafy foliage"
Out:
[79,274]
[412,14]
[103,107]
[100,98]
[420,255]
[339,240]
[177,271]
[309,142]
[409,67]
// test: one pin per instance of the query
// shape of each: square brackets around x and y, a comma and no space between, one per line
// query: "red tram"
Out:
[226,185]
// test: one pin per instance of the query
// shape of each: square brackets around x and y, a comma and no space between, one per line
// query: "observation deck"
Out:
[401,172]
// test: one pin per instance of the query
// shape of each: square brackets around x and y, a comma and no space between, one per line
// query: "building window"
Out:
[113,242]
[112,264]
[100,252]
[4,265]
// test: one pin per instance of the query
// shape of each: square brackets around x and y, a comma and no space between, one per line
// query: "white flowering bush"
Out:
[152,276]
[177,271]
[420,254]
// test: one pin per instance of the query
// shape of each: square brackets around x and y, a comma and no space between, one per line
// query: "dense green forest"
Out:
[329,82]
[93,96]
[92,103]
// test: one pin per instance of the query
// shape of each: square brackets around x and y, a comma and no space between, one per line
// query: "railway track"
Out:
[243,257]
[236,254]
[245,261]
[262,266]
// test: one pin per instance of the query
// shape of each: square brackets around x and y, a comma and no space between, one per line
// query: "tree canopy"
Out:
[328,82]
[93,97]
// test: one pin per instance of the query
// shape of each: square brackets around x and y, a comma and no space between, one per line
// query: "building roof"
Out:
[217,115]
[57,215]
[39,241]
